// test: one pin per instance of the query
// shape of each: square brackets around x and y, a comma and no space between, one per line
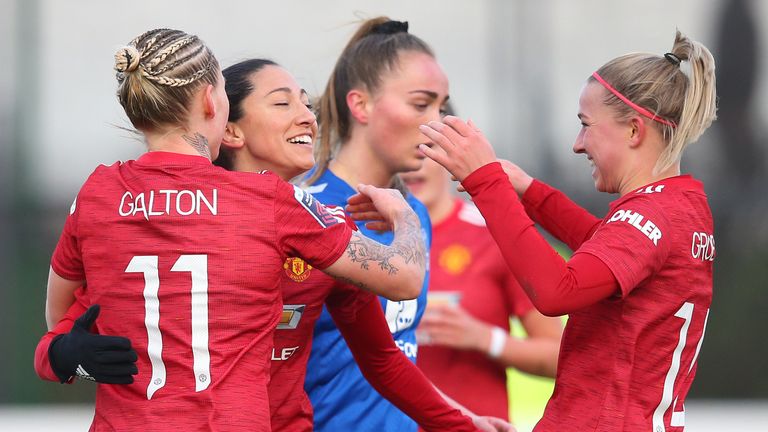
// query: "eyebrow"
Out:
[302,92]
[429,93]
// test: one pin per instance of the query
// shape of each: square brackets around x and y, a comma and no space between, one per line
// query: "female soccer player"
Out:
[464,341]
[181,255]
[270,127]
[385,83]
[639,285]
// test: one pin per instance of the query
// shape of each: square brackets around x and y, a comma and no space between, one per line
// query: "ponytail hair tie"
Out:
[675,60]
[391,27]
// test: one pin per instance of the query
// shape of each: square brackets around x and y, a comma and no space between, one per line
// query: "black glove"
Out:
[104,359]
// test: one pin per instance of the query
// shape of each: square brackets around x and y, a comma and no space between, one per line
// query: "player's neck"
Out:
[441,208]
[179,141]
[356,164]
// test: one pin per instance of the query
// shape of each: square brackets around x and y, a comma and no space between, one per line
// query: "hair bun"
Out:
[127,59]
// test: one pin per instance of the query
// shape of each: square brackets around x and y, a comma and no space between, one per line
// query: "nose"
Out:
[578,145]
[306,116]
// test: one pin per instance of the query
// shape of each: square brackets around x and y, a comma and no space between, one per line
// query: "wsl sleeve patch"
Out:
[315,208]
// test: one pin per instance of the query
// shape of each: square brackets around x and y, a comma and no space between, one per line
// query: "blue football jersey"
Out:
[341,397]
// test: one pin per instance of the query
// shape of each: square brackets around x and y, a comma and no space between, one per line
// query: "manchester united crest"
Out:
[297,269]
[455,259]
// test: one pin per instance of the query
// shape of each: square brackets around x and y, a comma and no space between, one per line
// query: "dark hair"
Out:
[238,85]
[373,50]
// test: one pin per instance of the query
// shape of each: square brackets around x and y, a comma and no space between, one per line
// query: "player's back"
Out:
[184,260]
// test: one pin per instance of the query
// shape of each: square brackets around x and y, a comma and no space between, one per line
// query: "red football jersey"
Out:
[305,290]
[627,363]
[185,259]
[467,268]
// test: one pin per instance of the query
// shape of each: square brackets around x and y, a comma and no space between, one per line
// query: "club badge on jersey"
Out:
[297,269]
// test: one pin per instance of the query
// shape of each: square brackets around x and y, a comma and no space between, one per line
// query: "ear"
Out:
[234,137]
[208,103]
[358,102]
[637,131]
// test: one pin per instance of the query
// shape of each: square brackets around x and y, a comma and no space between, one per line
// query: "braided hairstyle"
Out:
[658,84]
[158,72]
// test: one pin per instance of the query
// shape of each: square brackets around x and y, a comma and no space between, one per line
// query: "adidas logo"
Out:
[83,374]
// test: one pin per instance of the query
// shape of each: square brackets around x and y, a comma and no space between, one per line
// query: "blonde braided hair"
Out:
[157,74]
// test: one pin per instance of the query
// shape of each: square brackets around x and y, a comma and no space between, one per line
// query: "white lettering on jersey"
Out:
[651,189]
[73,207]
[408,348]
[401,314]
[165,201]
[703,246]
[283,354]
[636,220]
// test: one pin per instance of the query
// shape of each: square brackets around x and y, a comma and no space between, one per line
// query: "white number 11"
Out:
[678,417]
[197,265]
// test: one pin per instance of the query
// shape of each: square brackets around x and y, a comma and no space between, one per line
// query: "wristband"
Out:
[498,340]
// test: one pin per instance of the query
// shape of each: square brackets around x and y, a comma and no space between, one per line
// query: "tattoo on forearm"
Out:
[199,143]
[408,245]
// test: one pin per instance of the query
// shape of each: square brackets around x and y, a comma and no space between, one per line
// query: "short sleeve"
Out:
[67,259]
[633,241]
[345,300]
[307,229]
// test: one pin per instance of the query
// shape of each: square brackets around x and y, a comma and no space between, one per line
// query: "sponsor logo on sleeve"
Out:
[297,269]
[645,226]
[314,207]
[73,207]
[703,246]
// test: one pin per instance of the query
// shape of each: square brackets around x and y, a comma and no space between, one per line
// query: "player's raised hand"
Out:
[520,179]
[361,208]
[382,207]
[94,357]
[466,148]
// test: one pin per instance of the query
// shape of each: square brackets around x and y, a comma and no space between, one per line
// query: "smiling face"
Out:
[602,138]
[278,125]
[409,95]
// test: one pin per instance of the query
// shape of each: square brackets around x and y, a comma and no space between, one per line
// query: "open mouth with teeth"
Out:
[301,139]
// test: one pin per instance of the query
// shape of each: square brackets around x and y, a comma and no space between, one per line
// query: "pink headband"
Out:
[631,104]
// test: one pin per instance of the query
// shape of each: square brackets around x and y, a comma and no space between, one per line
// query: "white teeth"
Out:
[301,139]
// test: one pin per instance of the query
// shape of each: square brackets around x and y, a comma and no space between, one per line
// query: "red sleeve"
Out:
[390,372]
[305,228]
[554,286]
[345,302]
[42,362]
[633,242]
[518,303]
[67,260]
[556,213]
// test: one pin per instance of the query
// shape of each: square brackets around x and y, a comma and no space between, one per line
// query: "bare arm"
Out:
[395,272]
[60,296]
[536,354]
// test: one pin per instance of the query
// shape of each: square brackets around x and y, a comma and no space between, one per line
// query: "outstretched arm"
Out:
[395,272]
[554,286]
[390,372]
